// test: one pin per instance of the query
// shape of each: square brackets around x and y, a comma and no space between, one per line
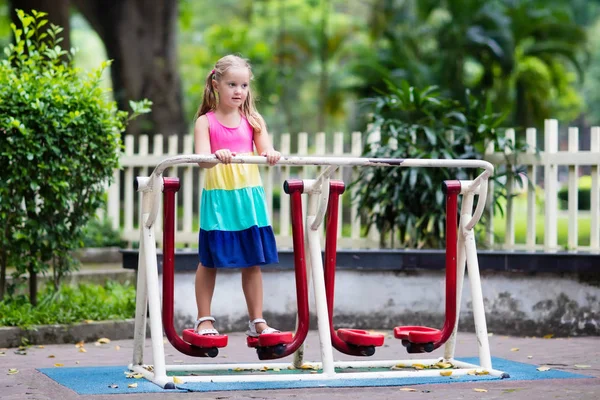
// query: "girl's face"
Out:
[233,87]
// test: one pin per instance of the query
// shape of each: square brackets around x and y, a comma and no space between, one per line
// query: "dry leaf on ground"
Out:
[549,336]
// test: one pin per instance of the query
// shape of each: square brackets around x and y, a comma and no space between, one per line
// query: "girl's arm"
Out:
[264,146]
[202,139]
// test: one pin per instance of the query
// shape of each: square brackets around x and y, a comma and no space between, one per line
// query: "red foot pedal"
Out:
[359,337]
[417,334]
[204,341]
[270,339]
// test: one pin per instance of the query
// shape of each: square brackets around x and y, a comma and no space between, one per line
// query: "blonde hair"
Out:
[209,98]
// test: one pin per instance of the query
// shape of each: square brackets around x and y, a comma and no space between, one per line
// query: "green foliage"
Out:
[70,304]
[60,142]
[407,203]
[584,191]
[283,41]
[526,55]
[100,233]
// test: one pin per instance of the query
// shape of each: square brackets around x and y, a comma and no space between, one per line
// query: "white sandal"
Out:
[203,332]
[252,328]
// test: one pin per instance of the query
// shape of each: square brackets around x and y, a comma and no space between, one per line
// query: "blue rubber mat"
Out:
[113,380]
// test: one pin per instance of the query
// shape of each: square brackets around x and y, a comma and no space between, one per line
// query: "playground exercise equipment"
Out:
[323,198]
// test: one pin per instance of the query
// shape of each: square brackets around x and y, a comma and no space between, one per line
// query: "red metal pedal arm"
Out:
[336,188]
[171,186]
[451,189]
[294,188]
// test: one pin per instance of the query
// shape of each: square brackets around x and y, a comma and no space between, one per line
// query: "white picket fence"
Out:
[550,160]
[123,207]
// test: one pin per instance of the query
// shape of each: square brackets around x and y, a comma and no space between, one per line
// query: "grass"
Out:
[70,305]
[520,215]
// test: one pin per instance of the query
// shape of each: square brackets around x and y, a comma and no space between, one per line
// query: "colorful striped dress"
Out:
[234,225]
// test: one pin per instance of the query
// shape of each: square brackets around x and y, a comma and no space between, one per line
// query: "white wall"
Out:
[515,304]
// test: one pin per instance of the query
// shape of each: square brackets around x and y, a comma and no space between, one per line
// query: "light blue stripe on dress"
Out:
[220,209]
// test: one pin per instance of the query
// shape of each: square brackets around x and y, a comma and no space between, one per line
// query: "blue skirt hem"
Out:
[237,249]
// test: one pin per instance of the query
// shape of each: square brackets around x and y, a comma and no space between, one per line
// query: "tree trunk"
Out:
[58,14]
[324,73]
[32,285]
[140,38]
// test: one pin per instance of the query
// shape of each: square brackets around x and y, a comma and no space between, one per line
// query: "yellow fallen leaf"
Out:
[88,321]
[306,366]
[543,368]
[276,369]
[12,371]
[445,373]
[480,390]
[238,369]
[478,371]
[582,366]
[132,385]
[443,365]
[400,366]
[103,340]
[79,344]
[408,390]
[514,349]
[59,365]
[418,366]
[40,347]
[177,380]
[82,350]
[549,336]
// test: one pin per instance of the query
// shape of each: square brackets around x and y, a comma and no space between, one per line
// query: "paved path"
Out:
[581,355]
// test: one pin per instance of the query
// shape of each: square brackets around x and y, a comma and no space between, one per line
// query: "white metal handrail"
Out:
[154,183]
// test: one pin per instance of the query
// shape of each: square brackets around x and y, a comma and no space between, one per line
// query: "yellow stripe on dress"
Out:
[232,176]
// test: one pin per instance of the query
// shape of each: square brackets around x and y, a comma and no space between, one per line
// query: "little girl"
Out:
[234,226]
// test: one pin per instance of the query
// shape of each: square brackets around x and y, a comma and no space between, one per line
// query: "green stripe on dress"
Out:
[220,209]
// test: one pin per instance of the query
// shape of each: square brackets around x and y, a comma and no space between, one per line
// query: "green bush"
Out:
[70,304]
[407,204]
[100,233]
[60,141]
[584,191]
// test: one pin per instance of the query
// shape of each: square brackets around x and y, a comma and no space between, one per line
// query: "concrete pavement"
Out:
[579,355]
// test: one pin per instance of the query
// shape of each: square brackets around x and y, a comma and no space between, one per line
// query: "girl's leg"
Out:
[253,291]
[205,287]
